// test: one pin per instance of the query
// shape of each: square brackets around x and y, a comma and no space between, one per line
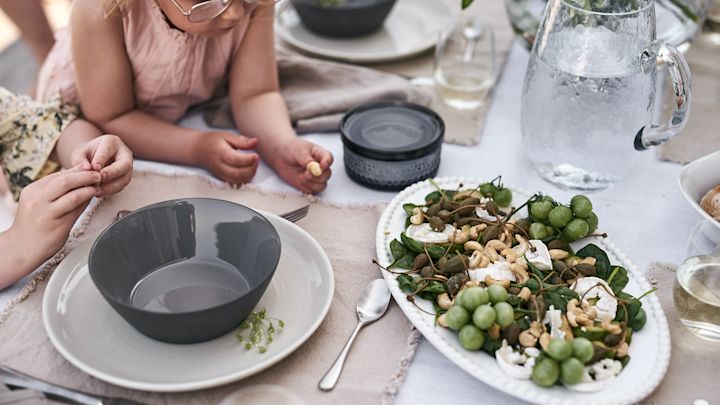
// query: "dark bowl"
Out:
[187,270]
[348,18]
[389,145]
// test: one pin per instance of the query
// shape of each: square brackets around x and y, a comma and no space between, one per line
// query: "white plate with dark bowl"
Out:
[85,329]
[649,351]
[411,28]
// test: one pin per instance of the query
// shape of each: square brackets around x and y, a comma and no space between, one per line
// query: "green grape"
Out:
[581,206]
[560,216]
[457,317]
[471,338]
[582,349]
[488,189]
[571,371]
[484,316]
[576,229]
[473,297]
[504,314]
[497,293]
[592,221]
[538,230]
[541,209]
[503,197]
[546,372]
[559,349]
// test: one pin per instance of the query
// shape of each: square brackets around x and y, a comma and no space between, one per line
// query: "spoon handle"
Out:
[331,377]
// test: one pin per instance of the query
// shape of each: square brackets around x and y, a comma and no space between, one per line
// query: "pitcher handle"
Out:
[653,135]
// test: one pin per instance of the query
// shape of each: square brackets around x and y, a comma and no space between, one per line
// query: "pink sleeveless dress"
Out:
[172,70]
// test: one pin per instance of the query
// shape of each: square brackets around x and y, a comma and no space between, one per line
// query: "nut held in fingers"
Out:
[314,168]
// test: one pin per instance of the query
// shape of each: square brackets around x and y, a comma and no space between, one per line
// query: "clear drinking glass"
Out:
[465,65]
[590,91]
[712,23]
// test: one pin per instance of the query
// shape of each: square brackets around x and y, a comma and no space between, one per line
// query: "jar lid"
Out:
[392,130]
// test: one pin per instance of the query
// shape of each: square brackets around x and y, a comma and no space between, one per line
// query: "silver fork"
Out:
[296,214]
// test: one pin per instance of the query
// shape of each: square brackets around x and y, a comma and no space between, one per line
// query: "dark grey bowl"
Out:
[389,145]
[349,18]
[188,270]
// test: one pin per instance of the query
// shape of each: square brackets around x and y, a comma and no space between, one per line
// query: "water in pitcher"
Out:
[585,99]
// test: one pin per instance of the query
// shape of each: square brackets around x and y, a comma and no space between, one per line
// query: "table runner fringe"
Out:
[393,386]
[663,266]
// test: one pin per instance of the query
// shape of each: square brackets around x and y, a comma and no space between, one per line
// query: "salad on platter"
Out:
[519,283]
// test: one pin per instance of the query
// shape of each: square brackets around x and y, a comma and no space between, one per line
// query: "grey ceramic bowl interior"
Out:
[185,271]
[346,18]
[389,145]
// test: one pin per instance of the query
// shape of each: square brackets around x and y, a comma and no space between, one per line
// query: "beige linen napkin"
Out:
[701,136]
[694,362]
[377,362]
[21,397]
[319,92]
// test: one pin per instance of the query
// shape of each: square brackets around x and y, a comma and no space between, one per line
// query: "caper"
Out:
[613,340]
[442,263]
[467,221]
[490,233]
[599,352]
[427,272]
[420,261]
[457,264]
[567,275]
[445,215]
[455,282]
[437,224]
[559,244]
[585,269]
[524,225]
[537,306]
[492,208]
[514,290]
[433,210]
[449,205]
[559,265]
[511,333]
[555,279]
[467,206]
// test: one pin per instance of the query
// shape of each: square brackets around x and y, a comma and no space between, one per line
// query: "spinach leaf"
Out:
[409,208]
[466,3]
[559,297]
[406,283]
[602,264]
[435,251]
[435,196]
[492,345]
[633,307]
[431,292]
[618,279]
[397,249]
[411,244]
[405,262]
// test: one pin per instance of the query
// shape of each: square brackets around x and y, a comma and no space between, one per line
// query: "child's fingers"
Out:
[115,185]
[324,157]
[322,178]
[234,175]
[73,199]
[239,159]
[240,141]
[103,153]
[118,168]
[63,182]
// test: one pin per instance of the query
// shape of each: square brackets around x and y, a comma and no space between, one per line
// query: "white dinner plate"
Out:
[697,178]
[411,28]
[92,336]
[649,351]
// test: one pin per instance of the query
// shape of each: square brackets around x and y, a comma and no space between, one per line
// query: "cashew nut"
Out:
[589,260]
[525,293]
[442,321]
[494,331]
[443,301]
[622,350]
[460,236]
[509,254]
[524,245]
[491,253]
[490,281]
[478,260]
[527,339]
[475,230]
[572,307]
[521,275]
[565,327]
[612,328]
[545,340]
[496,244]
[472,245]
[417,218]
[558,254]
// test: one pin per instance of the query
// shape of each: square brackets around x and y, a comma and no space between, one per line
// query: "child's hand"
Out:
[109,156]
[47,210]
[219,152]
[291,163]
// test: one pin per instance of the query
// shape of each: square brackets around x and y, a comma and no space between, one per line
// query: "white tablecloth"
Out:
[645,215]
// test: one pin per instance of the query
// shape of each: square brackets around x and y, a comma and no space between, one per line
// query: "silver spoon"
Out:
[372,306]
[472,31]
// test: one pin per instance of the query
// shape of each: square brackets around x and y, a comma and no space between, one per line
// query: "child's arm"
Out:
[47,210]
[104,83]
[260,111]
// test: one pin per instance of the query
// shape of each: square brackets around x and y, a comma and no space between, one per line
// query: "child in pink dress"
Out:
[136,66]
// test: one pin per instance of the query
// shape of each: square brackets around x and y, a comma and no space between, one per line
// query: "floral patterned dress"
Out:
[28,133]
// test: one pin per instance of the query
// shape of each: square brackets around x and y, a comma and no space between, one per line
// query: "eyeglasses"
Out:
[204,11]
